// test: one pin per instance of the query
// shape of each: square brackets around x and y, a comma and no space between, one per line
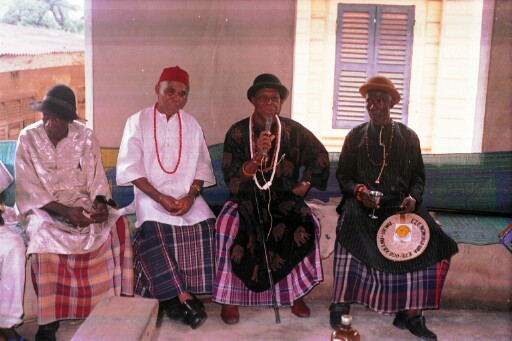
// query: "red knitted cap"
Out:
[174,73]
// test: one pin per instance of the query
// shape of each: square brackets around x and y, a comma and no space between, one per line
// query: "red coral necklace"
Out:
[156,144]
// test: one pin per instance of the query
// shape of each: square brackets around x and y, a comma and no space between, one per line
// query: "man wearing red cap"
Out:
[384,156]
[164,155]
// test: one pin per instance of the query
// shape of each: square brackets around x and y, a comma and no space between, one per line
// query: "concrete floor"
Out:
[259,324]
[457,320]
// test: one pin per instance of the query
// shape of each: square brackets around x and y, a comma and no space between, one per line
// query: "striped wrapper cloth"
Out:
[69,286]
[387,293]
[229,289]
[171,259]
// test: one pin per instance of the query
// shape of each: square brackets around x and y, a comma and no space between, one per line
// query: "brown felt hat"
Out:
[380,83]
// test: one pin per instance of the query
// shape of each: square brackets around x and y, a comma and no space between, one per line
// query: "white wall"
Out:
[223,44]
[457,77]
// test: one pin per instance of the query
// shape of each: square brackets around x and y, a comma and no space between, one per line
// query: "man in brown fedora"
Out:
[265,215]
[384,156]
[79,246]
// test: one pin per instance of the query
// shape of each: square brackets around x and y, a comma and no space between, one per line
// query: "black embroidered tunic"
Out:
[404,174]
[289,216]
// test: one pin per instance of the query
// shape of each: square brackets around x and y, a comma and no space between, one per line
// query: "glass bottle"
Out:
[345,332]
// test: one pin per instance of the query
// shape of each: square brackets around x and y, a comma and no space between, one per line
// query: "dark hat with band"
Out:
[60,102]
[267,80]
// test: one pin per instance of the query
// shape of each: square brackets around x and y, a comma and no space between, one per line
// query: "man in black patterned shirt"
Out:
[263,155]
[385,156]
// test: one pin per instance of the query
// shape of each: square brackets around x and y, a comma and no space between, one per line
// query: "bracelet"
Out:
[356,189]
[306,182]
[196,187]
[160,198]
[360,188]
[244,172]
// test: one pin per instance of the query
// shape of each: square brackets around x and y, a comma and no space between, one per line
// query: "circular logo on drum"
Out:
[403,237]
[402,231]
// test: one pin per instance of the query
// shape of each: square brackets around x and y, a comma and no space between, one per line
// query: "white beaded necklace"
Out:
[276,154]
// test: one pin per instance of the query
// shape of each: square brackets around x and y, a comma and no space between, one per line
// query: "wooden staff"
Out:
[262,236]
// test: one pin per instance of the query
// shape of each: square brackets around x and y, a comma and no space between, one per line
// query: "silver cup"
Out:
[376,195]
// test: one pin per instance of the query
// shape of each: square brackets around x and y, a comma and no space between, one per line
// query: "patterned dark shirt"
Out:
[404,174]
[302,157]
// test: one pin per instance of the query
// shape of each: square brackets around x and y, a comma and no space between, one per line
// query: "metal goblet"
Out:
[376,195]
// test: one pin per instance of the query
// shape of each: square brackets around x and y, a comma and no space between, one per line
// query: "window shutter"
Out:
[394,52]
[371,40]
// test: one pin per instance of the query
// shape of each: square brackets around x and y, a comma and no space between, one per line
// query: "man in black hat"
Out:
[80,247]
[262,158]
[385,156]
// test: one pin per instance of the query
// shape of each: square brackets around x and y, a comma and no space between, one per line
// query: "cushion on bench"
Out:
[216,195]
[472,182]
[7,156]
[470,192]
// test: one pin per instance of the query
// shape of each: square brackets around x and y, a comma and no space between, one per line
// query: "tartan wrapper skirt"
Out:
[172,259]
[229,289]
[69,286]
[388,293]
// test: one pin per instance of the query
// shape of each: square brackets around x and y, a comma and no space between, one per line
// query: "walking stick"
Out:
[262,236]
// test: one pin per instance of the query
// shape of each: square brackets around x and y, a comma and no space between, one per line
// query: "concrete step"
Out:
[120,319]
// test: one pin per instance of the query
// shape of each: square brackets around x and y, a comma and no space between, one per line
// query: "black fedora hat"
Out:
[59,101]
[267,80]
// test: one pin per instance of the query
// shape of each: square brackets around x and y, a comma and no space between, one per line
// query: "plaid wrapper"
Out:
[69,286]
[387,293]
[170,260]
[229,289]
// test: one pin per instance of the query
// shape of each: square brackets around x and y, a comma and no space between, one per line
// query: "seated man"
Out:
[164,155]
[263,156]
[385,156]
[80,248]
[12,271]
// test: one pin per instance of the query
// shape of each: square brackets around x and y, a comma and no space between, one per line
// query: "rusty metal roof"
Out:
[23,40]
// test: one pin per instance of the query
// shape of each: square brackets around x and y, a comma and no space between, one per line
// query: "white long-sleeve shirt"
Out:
[138,159]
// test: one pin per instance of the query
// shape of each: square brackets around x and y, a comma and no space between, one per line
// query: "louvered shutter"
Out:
[371,40]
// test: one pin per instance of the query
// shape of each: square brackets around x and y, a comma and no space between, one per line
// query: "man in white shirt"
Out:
[164,155]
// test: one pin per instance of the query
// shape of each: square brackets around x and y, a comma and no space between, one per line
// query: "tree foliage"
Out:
[53,14]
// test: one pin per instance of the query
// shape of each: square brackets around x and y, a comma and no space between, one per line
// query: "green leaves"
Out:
[52,14]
